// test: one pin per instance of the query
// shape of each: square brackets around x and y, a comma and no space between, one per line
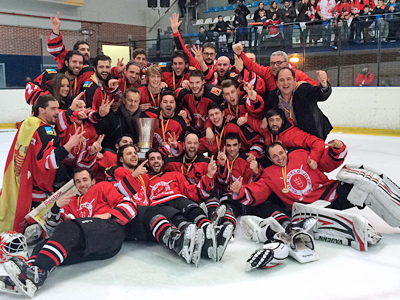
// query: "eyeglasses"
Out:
[277,63]
[209,54]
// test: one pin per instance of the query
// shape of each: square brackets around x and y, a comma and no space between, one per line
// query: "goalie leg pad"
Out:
[255,228]
[337,226]
[268,256]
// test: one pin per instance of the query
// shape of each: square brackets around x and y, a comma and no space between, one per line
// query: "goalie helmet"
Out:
[12,244]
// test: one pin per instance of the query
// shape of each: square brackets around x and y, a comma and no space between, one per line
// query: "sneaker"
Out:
[27,278]
[8,286]
[223,234]
[198,246]
[210,244]
[182,242]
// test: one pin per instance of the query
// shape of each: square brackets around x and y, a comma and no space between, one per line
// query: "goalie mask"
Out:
[12,244]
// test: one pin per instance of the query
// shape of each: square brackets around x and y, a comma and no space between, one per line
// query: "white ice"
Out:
[150,271]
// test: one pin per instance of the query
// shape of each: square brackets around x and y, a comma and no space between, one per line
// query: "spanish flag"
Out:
[16,193]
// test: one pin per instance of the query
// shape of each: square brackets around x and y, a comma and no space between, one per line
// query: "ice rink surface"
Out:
[150,271]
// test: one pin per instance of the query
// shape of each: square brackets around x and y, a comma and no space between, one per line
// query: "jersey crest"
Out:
[51,71]
[87,84]
[299,182]
[216,91]
[49,130]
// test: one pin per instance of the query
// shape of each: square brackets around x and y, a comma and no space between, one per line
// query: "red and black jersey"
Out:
[108,160]
[176,125]
[168,186]
[95,92]
[148,97]
[171,79]
[235,170]
[291,137]
[123,85]
[250,140]
[212,77]
[100,199]
[304,184]
[245,105]
[193,170]
[129,186]
[197,106]
[254,80]
[332,158]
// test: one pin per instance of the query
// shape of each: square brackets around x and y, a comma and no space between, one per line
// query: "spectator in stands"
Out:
[286,18]
[380,23]
[393,18]
[325,9]
[303,17]
[202,36]
[221,28]
[365,24]
[343,13]
[364,78]
[182,7]
[316,22]
[210,33]
[240,23]
[272,22]
[357,8]
[257,12]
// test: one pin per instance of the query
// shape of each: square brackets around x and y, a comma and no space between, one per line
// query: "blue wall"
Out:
[18,67]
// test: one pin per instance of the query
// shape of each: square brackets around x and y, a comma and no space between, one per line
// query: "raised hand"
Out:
[210,137]
[140,170]
[78,103]
[198,55]
[250,157]
[172,141]
[185,84]
[312,163]
[236,186]
[322,77]
[175,23]
[183,114]
[55,23]
[163,85]
[337,144]
[105,106]
[249,89]
[238,63]
[222,157]
[74,140]
[113,83]
[237,48]
[96,146]
[264,124]
[242,120]
[212,168]
[254,166]
[121,66]
[65,199]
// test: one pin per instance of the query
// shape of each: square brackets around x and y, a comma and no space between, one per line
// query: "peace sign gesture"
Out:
[140,170]
[249,89]
[212,168]
[105,106]
[96,147]
[172,141]
[222,157]
[120,65]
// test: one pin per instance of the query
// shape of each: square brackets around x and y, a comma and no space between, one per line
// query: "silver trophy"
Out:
[146,127]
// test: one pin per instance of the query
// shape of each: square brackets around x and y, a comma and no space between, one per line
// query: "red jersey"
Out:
[171,79]
[168,186]
[332,158]
[148,97]
[95,92]
[304,184]
[193,170]
[100,199]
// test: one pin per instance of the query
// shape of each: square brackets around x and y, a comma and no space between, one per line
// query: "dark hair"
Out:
[168,92]
[120,138]
[138,51]
[210,26]
[276,112]
[272,145]
[232,136]
[196,73]
[100,57]
[131,90]
[68,57]
[80,169]
[131,63]
[42,102]
[366,6]
[227,83]
[78,43]
[220,16]
[182,54]
[120,153]
[151,151]
[208,45]
[213,105]
[56,85]
[201,26]
[286,68]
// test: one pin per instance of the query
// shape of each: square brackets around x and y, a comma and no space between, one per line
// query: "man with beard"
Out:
[122,121]
[169,121]
[208,50]
[95,88]
[128,75]
[139,56]
[97,232]
[174,75]
[172,189]
[278,60]
[33,168]
[197,98]
[40,86]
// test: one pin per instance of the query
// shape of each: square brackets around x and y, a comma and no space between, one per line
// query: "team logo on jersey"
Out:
[216,91]
[87,84]
[49,130]
[161,188]
[299,182]
[89,207]
[162,64]
[233,74]
[51,71]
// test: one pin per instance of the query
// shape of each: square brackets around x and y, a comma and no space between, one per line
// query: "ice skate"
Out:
[198,246]
[224,233]
[183,242]
[8,286]
[210,243]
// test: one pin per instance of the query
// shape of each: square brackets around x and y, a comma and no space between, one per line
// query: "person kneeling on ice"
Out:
[294,181]
[97,233]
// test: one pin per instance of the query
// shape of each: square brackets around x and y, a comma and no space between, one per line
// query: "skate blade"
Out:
[29,288]
[227,235]
[9,290]
[198,247]
[212,251]
[188,248]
